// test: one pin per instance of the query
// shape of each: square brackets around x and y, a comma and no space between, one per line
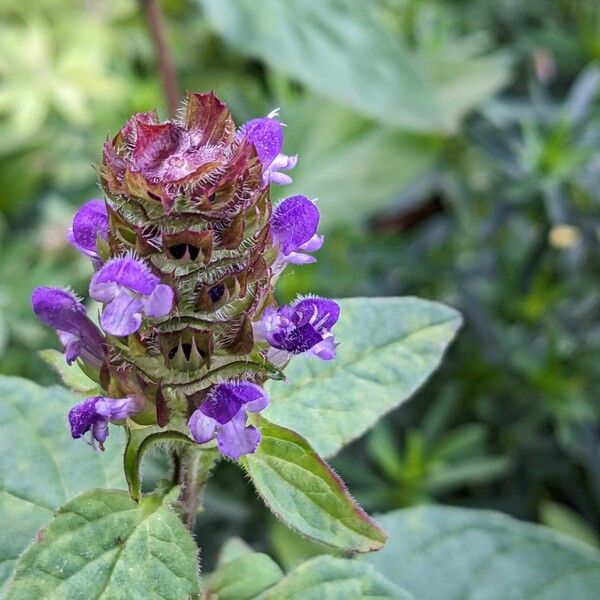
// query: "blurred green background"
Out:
[455,151]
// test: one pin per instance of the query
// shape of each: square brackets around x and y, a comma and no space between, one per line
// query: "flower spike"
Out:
[186,246]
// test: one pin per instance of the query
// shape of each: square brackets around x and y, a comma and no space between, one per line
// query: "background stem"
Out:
[156,25]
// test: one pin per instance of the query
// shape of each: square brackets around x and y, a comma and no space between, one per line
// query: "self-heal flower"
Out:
[89,223]
[94,414]
[224,414]
[301,327]
[294,228]
[61,310]
[129,291]
[267,136]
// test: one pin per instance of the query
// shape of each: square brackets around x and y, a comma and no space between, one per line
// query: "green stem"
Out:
[194,470]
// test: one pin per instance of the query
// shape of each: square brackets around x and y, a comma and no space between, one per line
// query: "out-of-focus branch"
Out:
[156,25]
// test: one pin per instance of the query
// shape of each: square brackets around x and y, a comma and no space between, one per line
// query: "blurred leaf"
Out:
[41,466]
[355,168]
[244,577]
[303,491]
[329,578]
[388,348]
[233,549]
[469,471]
[341,49]
[72,375]
[290,548]
[449,553]
[104,545]
[567,521]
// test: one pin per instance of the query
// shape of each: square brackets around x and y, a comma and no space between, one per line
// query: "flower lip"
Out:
[224,413]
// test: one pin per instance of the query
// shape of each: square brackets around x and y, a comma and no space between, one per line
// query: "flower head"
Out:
[301,327]
[267,136]
[166,157]
[224,413]
[89,223]
[129,290]
[294,229]
[61,310]
[94,414]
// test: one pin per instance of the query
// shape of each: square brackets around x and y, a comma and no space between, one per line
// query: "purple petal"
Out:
[253,396]
[126,272]
[202,427]
[159,303]
[297,258]
[122,316]
[267,136]
[315,243]
[90,221]
[82,417]
[62,311]
[93,414]
[321,312]
[222,403]
[278,178]
[57,308]
[99,431]
[294,223]
[72,346]
[325,349]
[235,439]
[296,339]
[116,409]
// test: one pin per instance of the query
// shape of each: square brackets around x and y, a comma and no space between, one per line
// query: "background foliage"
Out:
[455,151]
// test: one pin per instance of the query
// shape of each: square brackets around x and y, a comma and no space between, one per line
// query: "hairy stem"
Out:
[156,25]
[195,467]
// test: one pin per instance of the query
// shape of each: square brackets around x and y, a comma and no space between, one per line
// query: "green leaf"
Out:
[41,466]
[72,375]
[353,166]
[449,553]
[302,490]
[329,578]
[388,348]
[567,521]
[244,577]
[104,545]
[341,49]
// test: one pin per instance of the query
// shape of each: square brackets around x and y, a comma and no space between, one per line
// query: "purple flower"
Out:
[224,413]
[294,228]
[301,327]
[89,223]
[94,414]
[267,136]
[61,310]
[129,290]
